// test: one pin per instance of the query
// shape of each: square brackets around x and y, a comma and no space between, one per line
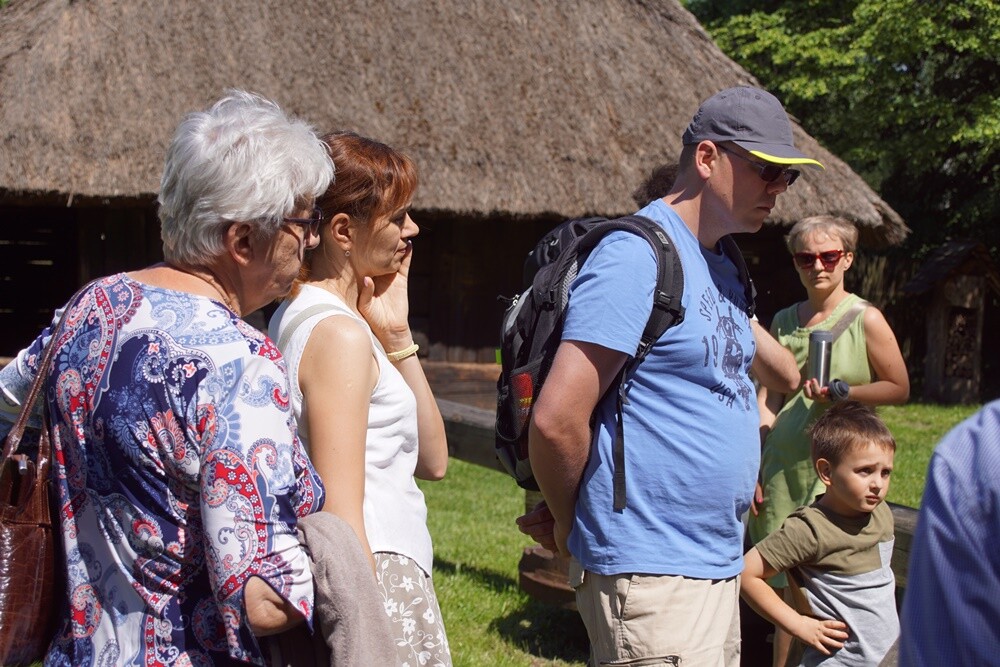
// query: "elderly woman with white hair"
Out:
[178,469]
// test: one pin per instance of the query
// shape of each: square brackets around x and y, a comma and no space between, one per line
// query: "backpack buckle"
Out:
[665,301]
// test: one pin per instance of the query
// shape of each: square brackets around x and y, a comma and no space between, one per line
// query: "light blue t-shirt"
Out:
[691,441]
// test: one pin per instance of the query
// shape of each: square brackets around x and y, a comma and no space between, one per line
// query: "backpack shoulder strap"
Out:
[297,321]
[666,312]
[732,251]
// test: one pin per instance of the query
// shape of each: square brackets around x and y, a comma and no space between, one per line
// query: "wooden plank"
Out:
[470,433]
[905,519]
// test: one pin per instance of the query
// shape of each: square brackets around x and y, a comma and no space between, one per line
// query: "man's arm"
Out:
[773,364]
[559,435]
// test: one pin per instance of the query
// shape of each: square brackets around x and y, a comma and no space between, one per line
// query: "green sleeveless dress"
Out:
[786,469]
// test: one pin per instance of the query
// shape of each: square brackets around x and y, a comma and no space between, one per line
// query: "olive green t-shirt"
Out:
[842,567]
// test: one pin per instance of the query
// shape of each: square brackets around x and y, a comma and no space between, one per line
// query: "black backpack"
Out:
[531,329]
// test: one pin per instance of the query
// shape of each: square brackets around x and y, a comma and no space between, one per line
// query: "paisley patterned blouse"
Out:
[179,476]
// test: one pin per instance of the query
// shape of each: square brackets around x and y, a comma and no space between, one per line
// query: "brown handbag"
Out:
[28,578]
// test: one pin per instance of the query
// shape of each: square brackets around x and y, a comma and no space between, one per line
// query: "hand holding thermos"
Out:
[818,385]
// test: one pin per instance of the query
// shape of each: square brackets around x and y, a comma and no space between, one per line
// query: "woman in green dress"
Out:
[865,362]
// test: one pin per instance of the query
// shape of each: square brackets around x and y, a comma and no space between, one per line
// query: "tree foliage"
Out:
[906,91]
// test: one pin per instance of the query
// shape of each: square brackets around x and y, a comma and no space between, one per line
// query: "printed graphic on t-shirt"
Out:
[723,348]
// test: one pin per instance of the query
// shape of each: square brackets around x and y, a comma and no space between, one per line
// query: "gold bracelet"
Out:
[404,353]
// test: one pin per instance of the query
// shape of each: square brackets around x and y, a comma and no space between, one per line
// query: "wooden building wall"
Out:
[47,252]
[460,267]
[463,266]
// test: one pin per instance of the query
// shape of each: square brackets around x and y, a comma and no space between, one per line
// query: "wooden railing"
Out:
[470,433]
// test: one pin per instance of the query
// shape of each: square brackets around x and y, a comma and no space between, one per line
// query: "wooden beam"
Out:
[905,519]
[470,433]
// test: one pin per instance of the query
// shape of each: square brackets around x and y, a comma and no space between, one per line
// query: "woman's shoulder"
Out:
[853,301]
[344,330]
[786,320]
[310,303]
[311,295]
[873,320]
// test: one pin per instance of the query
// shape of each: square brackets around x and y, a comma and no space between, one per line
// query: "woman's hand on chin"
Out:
[384,303]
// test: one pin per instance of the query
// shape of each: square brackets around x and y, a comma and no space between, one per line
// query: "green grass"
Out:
[491,622]
[917,428]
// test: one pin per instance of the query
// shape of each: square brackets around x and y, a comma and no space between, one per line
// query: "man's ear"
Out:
[824,469]
[343,231]
[238,240]
[706,157]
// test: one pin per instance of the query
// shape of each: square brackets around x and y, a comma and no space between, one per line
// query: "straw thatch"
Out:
[521,108]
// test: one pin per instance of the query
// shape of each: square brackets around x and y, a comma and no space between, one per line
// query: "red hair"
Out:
[371,179]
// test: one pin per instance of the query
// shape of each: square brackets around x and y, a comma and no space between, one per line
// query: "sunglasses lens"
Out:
[829,258]
[770,172]
[804,259]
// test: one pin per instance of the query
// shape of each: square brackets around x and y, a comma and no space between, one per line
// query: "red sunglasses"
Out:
[829,259]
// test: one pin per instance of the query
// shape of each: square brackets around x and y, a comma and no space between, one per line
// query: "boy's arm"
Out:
[823,635]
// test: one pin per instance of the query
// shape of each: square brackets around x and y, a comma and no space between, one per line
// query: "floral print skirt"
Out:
[414,614]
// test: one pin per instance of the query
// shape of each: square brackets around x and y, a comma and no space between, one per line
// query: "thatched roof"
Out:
[519,108]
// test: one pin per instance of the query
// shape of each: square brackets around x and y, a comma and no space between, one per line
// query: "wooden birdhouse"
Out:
[954,282]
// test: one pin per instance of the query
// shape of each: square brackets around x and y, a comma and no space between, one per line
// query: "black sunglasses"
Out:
[312,221]
[829,259]
[769,173]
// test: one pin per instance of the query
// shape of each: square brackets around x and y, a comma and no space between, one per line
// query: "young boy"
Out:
[837,550]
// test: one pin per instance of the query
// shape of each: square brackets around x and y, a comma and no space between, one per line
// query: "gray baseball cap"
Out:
[750,118]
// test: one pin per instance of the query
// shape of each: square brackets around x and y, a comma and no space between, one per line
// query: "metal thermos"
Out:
[820,348]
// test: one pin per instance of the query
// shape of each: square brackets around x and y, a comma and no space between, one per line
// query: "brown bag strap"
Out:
[28,403]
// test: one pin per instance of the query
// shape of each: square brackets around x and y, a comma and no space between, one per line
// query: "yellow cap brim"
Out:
[788,160]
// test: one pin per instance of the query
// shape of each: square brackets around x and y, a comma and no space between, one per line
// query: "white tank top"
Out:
[394,510]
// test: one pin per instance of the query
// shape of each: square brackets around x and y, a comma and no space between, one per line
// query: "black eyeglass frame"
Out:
[828,258]
[768,173]
[312,222]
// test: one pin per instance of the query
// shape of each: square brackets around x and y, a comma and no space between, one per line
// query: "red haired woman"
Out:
[364,408]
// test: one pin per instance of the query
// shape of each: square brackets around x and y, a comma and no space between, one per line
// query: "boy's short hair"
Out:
[844,425]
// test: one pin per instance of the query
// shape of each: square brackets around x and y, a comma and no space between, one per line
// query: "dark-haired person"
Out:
[364,407]
[865,362]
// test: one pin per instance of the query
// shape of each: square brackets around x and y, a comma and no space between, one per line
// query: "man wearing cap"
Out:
[658,580]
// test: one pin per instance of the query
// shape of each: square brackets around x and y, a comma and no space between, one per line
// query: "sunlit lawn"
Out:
[917,428]
[490,621]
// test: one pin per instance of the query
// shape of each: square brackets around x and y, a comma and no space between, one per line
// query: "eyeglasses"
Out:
[312,222]
[829,259]
[769,173]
